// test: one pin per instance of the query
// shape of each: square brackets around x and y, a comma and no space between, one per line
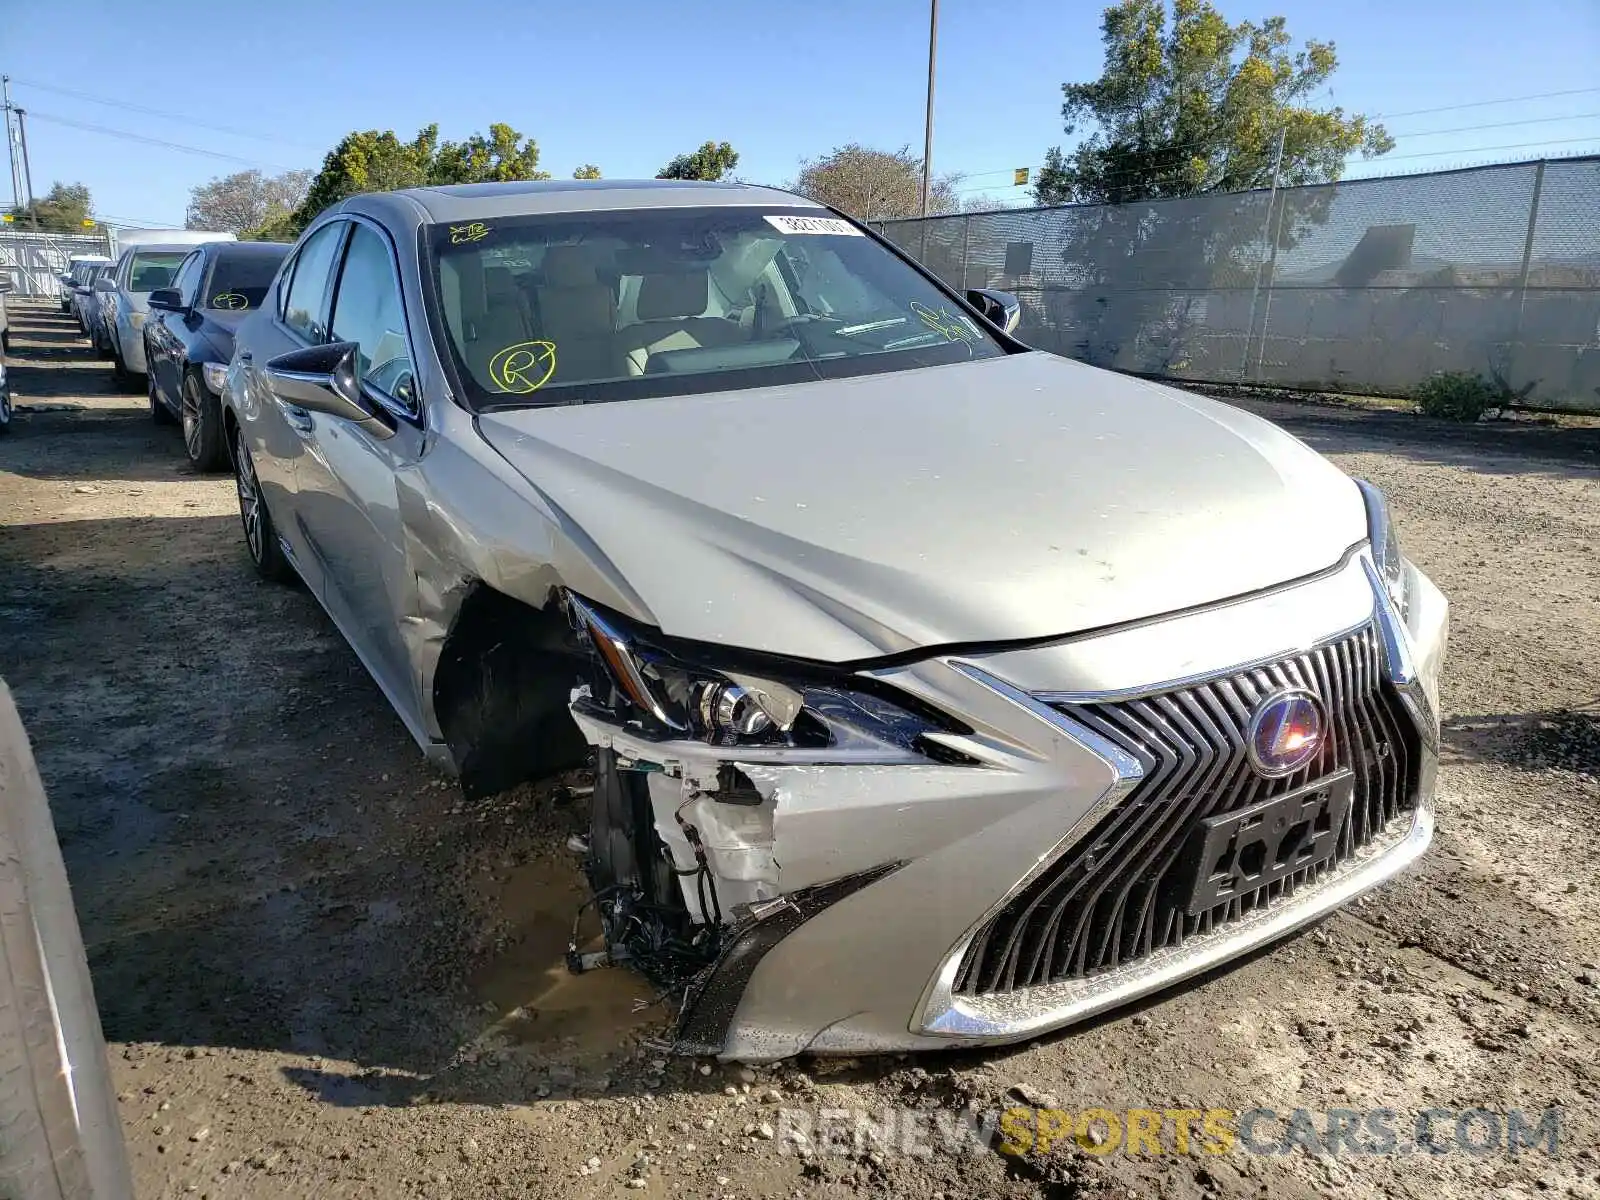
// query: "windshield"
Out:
[153,269]
[240,281]
[611,306]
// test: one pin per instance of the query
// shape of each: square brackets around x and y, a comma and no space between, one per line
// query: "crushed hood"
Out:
[1023,497]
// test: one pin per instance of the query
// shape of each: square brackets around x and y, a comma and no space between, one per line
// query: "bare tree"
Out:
[874,185]
[245,201]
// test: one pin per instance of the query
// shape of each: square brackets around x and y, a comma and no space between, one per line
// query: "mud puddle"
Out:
[529,982]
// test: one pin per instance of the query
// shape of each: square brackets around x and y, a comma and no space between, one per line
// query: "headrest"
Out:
[498,284]
[679,294]
[568,267]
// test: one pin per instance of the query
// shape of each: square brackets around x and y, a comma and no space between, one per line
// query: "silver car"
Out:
[940,691]
[81,299]
[124,293]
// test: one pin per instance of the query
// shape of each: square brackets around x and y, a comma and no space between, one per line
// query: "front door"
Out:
[348,498]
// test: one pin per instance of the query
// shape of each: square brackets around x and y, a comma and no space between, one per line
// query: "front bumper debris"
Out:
[914,905]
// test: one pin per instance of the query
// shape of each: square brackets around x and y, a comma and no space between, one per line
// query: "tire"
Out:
[5,341]
[202,425]
[60,1133]
[125,378]
[5,411]
[160,414]
[260,534]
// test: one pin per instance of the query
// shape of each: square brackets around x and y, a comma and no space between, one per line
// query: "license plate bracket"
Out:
[1247,848]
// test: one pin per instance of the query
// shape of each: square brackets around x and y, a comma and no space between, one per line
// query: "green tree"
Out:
[874,185]
[587,171]
[374,161]
[505,155]
[712,161]
[63,209]
[369,162]
[1197,105]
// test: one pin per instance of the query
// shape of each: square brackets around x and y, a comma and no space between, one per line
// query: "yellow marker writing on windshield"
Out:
[947,323]
[476,231]
[523,368]
[232,301]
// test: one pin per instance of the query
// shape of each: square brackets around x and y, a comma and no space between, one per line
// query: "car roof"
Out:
[164,248]
[246,249]
[478,201]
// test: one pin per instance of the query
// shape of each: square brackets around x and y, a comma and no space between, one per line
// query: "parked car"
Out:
[6,289]
[63,1134]
[5,401]
[97,308]
[81,294]
[940,691]
[188,338]
[141,269]
[77,270]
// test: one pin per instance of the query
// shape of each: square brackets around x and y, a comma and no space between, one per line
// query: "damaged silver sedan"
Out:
[939,691]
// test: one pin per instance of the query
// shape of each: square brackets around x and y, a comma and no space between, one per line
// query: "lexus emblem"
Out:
[1286,732]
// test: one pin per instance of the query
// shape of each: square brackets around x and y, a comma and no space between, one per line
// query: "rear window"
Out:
[240,281]
[154,269]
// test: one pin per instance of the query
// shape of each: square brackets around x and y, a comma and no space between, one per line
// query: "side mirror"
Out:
[166,299]
[324,379]
[105,284]
[1001,308]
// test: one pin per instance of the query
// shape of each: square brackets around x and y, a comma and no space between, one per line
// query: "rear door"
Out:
[278,434]
[348,500]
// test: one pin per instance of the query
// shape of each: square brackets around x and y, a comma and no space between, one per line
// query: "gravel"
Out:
[324,973]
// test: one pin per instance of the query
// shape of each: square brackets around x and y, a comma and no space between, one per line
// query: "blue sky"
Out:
[629,83]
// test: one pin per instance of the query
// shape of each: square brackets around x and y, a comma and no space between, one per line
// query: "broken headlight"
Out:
[1386,554]
[801,706]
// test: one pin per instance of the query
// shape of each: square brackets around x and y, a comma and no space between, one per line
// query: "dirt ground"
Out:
[322,973]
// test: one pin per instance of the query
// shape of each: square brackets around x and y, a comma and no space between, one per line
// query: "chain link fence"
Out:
[1369,286]
[31,261]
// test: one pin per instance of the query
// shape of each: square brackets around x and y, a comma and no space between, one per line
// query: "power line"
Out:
[136,223]
[1169,153]
[156,112]
[1419,112]
[1589,137]
[1416,112]
[127,135]
[1497,125]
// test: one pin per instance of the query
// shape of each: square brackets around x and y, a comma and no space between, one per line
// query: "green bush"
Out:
[1467,395]
[1457,395]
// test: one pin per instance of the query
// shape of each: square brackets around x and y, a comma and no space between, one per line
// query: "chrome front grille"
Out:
[1121,892]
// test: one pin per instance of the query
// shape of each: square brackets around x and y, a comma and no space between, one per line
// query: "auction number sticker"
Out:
[827,225]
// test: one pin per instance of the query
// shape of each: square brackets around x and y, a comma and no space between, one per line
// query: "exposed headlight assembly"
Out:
[802,707]
[216,376]
[1386,554]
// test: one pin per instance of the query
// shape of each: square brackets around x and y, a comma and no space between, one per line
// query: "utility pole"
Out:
[927,136]
[27,170]
[11,145]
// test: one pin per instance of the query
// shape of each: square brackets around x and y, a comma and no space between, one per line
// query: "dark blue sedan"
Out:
[188,339]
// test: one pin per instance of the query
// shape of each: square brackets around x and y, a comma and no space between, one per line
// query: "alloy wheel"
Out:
[249,500]
[189,401]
